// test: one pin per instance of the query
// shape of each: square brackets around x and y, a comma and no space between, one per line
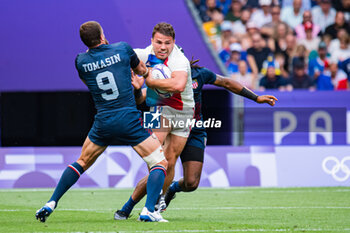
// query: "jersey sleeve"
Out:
[77,67]
[134,60]
[142,54]
[180,65]
[208,76]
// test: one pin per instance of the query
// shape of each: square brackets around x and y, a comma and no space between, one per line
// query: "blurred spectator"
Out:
[252,3]
[239,26]
[270,61]
[205,10]
[235,11]
[311,41]
[299,79]
[300,29]
[305,4]
[202,10]
[335,43]
[269,28]
[252,29]
[226,39]
[210,5]
[257,54]
[343,52]
[273,81]
[341,5]
[290,51]
[345,66]
[338,77]
[335,79]
[236,49]
[212,28]
[300,53]
[282,63]
[324,14]
[226,30]
[319,64]
[292,15]
[224,5]
[262,16]
[277,43]
[339,23]
[243,77]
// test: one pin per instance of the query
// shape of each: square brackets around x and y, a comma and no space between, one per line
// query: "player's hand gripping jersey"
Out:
[176,62]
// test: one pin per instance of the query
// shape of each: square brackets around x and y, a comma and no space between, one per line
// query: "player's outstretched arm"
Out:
[237,88]
[176,83]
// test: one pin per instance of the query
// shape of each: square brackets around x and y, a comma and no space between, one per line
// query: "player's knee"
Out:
[156,158]
[191,184]
[163,163]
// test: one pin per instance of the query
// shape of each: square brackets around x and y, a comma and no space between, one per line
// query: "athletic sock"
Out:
[68,178]
[175,187]
[154,186]
[129,205]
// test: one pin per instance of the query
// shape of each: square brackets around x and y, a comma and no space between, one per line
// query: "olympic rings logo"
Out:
[332,166]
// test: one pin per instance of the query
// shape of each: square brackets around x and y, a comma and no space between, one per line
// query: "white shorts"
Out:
[180,121]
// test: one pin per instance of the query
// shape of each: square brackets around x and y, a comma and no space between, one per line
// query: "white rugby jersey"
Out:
[176,62]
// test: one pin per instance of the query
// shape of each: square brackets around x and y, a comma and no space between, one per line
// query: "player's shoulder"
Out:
[178,58]
[202,71]
[147,50]
[178,54]
[81,58]
[120,45]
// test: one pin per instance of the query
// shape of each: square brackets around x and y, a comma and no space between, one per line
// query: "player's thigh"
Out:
[174,146]
[163,132]
[147,146]
[89,153]
[151,152]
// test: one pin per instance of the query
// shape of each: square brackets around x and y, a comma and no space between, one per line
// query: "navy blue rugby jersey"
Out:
[106,72]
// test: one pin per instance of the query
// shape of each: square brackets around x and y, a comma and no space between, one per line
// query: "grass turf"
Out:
[205,210]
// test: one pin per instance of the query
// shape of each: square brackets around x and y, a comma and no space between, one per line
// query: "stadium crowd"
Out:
[281,44]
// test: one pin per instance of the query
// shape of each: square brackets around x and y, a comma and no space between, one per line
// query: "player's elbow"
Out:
[179,87]
[226,84]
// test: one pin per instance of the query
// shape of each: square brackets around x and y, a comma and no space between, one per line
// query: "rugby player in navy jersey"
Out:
[106,70]
[193,153]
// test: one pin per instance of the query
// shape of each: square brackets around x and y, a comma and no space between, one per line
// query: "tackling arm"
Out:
[139,92]
[141,69]
[237,88]
[176,83]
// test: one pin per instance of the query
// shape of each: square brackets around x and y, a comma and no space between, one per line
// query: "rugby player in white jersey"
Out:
[178,107]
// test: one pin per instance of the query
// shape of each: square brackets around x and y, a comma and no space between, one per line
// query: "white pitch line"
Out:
[234,190]
[245,230]
[200,208]
[233,230]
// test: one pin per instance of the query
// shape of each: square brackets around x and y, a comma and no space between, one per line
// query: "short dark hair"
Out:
[90,33]
[165,29]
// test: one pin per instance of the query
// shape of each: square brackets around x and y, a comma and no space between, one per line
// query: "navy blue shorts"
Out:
[121,127]
[194,148]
